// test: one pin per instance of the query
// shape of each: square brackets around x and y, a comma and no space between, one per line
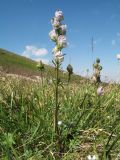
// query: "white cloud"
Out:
[40,52]
[31,50]
[35,53]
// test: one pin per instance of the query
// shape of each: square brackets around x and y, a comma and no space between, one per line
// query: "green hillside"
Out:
[16,64]
[13,63]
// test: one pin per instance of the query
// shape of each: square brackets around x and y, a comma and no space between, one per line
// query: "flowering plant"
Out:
[58,35]
[97,69]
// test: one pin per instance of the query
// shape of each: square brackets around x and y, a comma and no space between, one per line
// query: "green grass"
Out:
[90,123]
[26,120]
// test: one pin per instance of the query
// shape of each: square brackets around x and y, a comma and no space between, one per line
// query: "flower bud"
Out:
[59,15]
[57,54]
[53,35]
[62,41]
[55,23]
[62,29]
[40,66]
[59,58]
[70,69]
[97,60]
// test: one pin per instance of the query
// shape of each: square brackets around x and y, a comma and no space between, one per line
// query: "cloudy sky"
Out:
[25,24]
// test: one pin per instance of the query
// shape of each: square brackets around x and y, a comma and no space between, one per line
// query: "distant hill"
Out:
[16,64]
[13,63]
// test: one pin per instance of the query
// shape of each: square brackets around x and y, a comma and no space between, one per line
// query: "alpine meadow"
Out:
[47,110]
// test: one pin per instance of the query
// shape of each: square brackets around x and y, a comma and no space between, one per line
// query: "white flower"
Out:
[118,56]
[55,23]
[100,91]
[58,36]
[59,58]
[59,15]
[91,157]
[56,49]
[59,123]
[63,29]
[53,35]
[57,54]
[62,41]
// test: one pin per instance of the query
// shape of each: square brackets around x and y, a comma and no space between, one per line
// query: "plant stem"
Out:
[56,101]
[41,78]
[69,77]
[56,129]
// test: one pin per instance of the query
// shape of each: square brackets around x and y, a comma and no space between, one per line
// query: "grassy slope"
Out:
[13,63]
[16,64]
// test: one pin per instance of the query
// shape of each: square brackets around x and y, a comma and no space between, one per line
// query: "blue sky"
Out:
[25,24]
